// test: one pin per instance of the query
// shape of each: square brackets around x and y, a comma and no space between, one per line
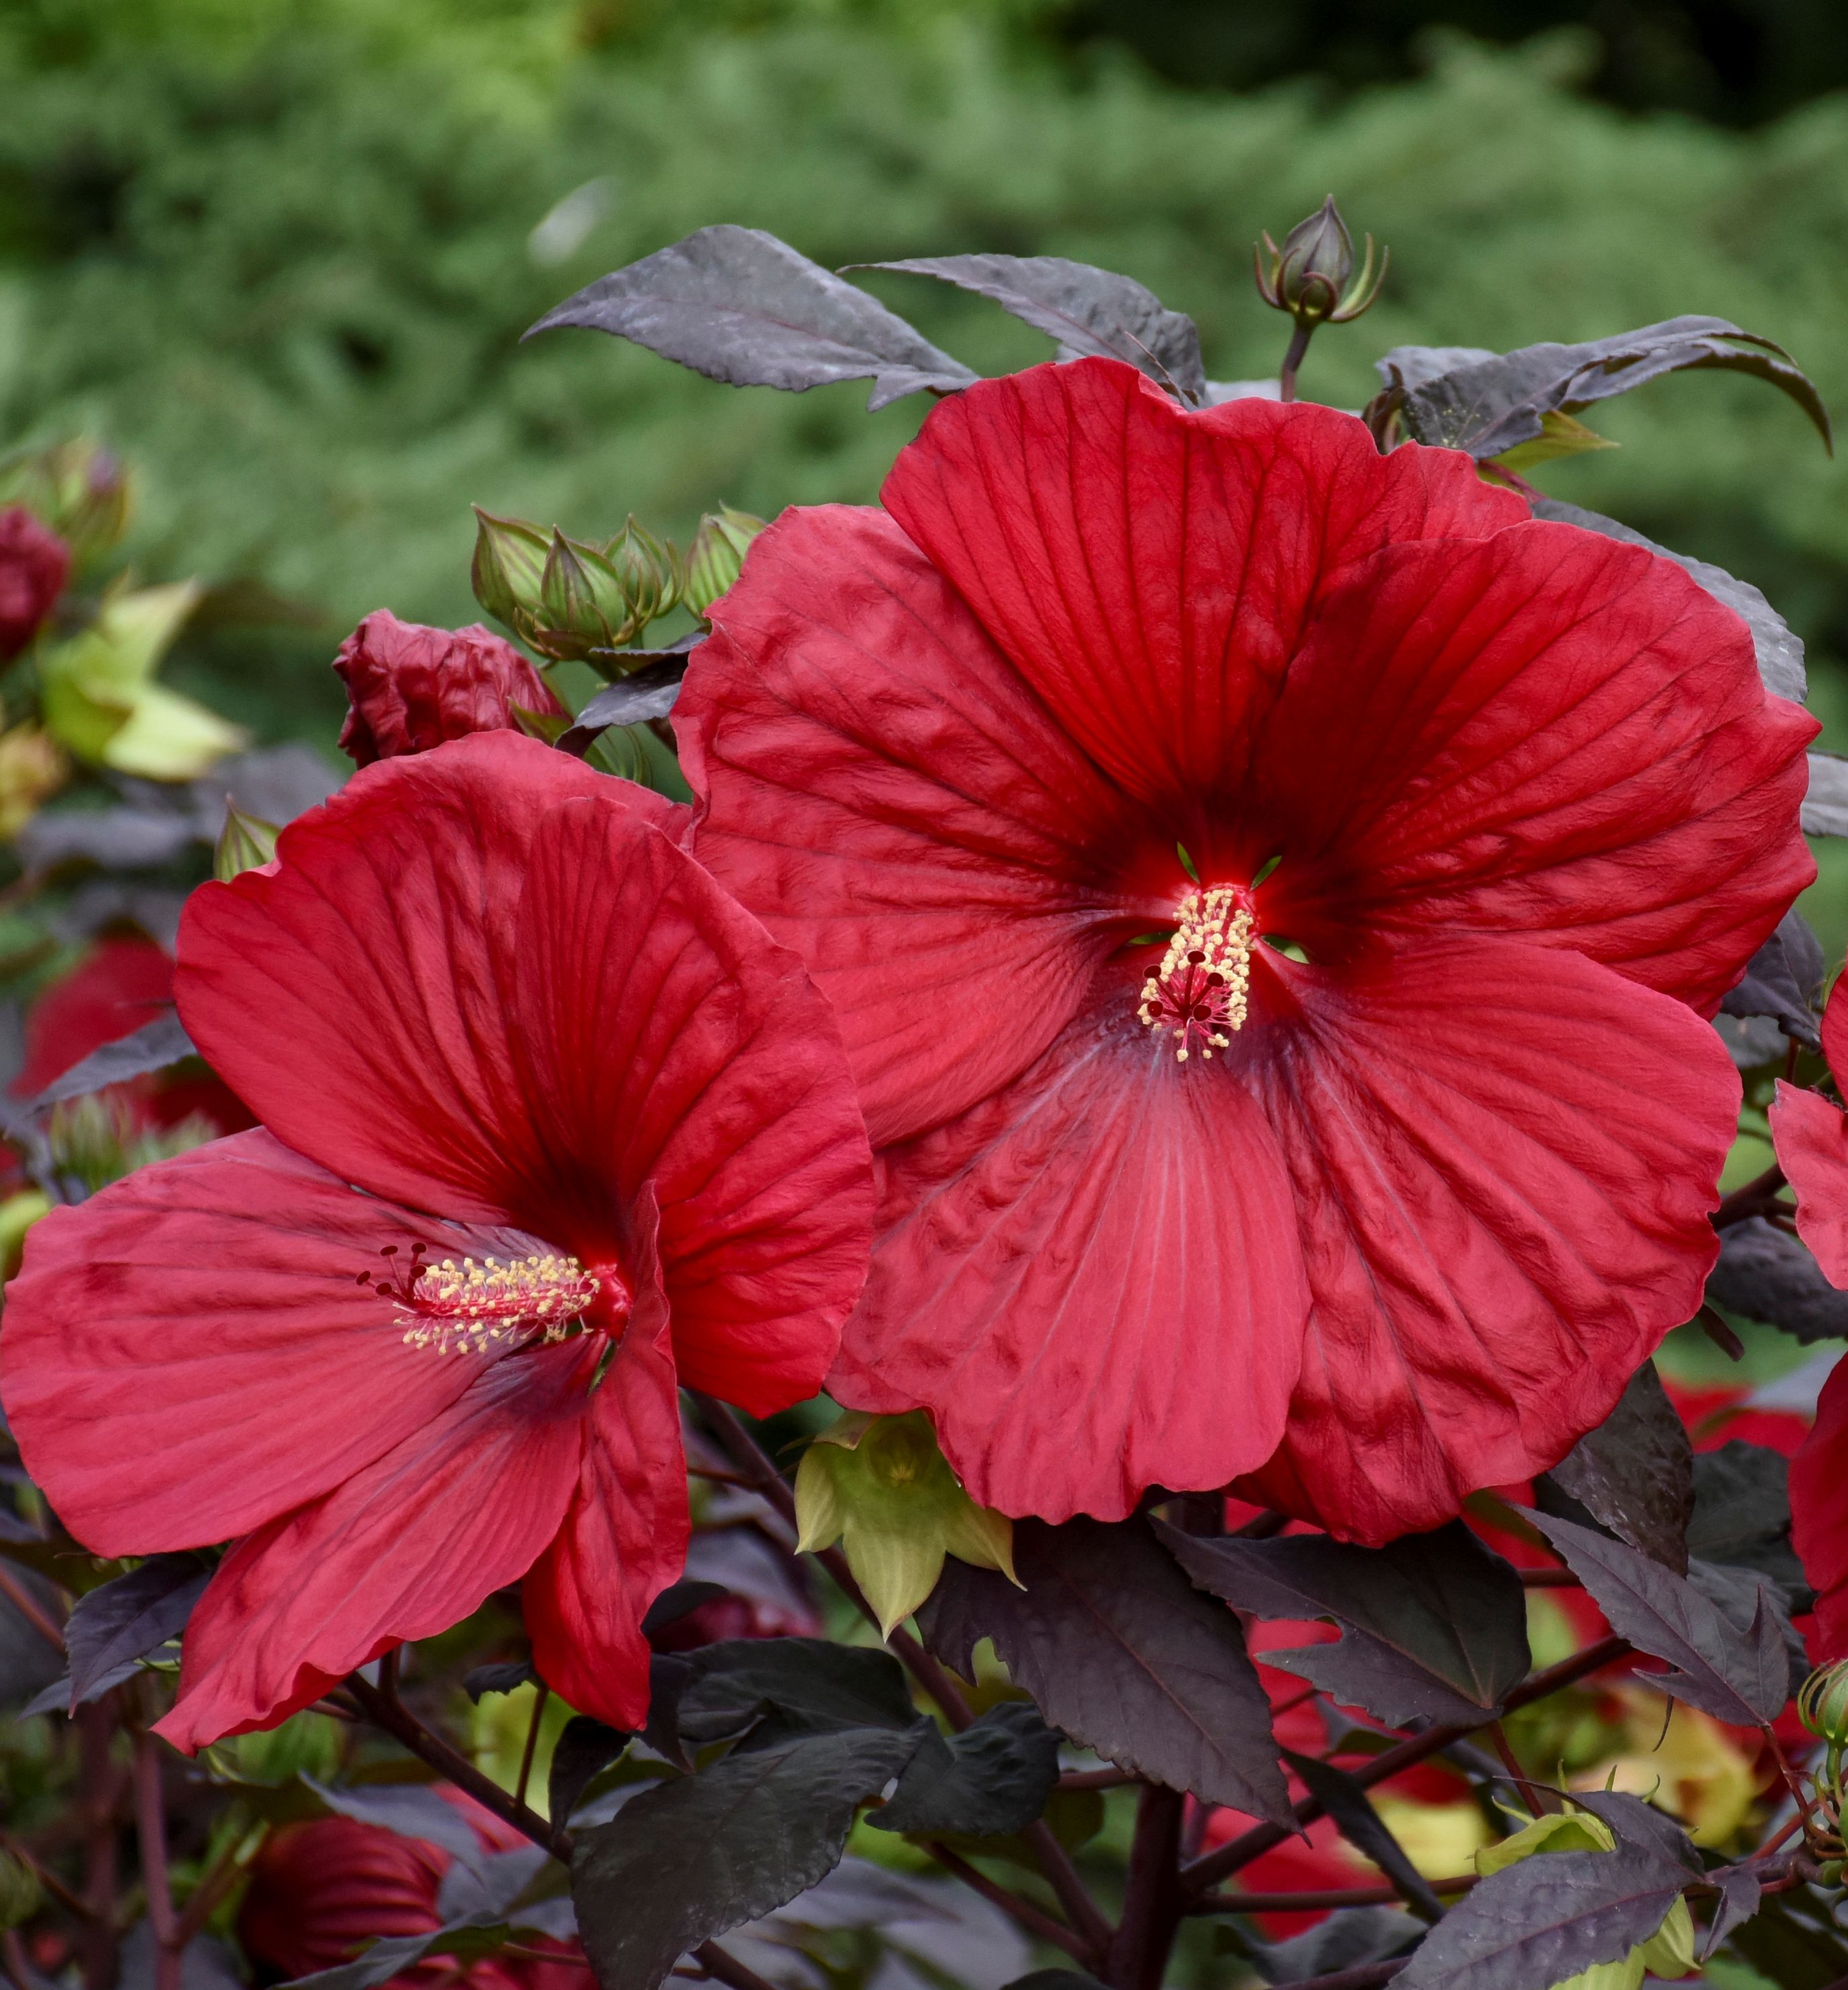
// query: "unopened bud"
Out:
[34,564]
[716,556]
[1823,1703]
[1312,277]
[244,843]
[21,1894]
[509,561]
[583,604]
[649,569]
[78,488]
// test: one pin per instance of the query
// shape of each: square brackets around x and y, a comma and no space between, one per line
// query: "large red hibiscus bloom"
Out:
[1811,1137]
[549,1126]
[1270,892]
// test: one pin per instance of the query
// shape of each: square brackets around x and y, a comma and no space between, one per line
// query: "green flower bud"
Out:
[716,556]
[1823,1703]
[21,1895]
[649,569]
[582,604]
[880,1486]
[509,561]
[244,843]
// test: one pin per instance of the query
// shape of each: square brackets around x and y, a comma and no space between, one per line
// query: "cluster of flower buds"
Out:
[77,489]
[1822,1707]
[1312,277]
[569,599]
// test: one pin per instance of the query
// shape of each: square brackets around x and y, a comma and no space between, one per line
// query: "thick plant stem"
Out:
[96,1731]
[1151,1904]
[1292,360]
[385,1710]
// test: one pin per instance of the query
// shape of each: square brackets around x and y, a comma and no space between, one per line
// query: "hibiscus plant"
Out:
[927,1248]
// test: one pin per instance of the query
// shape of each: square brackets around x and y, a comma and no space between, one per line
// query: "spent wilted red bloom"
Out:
[412,687]
[322,1892]
[604,1142]
[1811,1140]
[1270,892]
[35,564]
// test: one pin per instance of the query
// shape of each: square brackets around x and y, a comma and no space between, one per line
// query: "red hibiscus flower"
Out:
[412,687]
[35,564]
[1812,1139]
[606,1143]
[321,1892]
[1270,891]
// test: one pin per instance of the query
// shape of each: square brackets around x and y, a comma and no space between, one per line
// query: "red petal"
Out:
[404,1549]
[189,1352]
[1811,1140]
[1150,570]
[1092,1280]
[676,1046]
[624,1540]
[1818,1513]
[359,997]
[1505,1157]
[863,753]
[1835,1027]
[1552,736]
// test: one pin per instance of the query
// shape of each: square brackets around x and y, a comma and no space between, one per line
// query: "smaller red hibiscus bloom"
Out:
[122,984]
[604,1140]
[413,687]
[321,1892]
[1812,1139]
[35,564]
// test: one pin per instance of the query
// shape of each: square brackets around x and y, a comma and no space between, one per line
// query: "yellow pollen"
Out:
[1200,991]
[478,1305]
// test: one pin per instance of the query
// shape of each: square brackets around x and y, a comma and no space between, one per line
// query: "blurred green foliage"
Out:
[281,253]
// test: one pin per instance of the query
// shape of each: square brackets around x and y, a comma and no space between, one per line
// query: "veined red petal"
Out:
[1818,1511]
[360,996]
[674,1046]
[190,1353]
[1504,1159]
[1811,1136]
[1092,1280]
[1150,570]
[865,758]
[405,1548]
[624,1538]
[1550,734]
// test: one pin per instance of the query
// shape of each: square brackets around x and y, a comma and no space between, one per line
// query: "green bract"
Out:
[881,1487]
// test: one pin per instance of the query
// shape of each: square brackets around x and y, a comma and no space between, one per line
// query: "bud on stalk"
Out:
[716,556]
[1312,277]
[244,843]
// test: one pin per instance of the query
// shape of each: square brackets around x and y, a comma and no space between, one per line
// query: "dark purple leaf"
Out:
[126,1619]
[152,1047]
[465,1942]
[1739,1675]
[584,1747]
[56,1697]
[1488,402]
[689,1859]
[988,1781]
[1635,1474]
[412,1810]
[1741,1890]
[498,1679]
[1768,1274]
[738,305]
[1433,1625]
[1742,1514]
[1826,806]
[650,692]
[1782,980]
[1123,1654]
[486,1892]
[1547,1918]
[1091,312]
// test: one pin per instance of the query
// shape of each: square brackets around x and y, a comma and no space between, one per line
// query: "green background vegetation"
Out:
[280,252]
